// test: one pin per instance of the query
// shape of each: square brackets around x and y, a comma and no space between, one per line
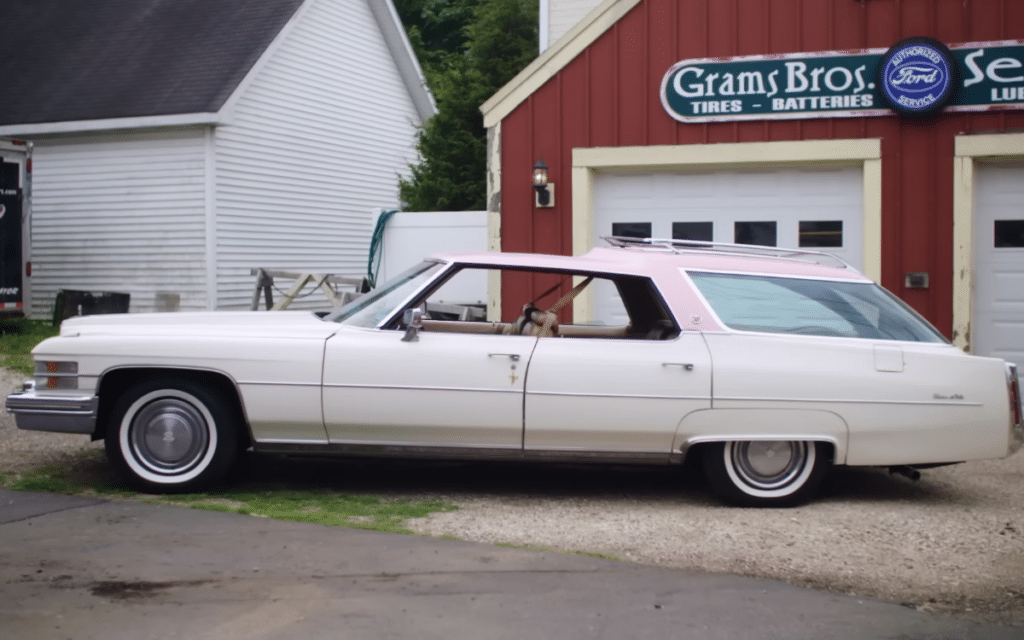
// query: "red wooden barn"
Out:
[890,132]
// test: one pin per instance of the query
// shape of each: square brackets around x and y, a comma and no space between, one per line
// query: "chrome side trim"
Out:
[292,441]
[528,392]
[400,387]
[66,414]
[249,383]
[512,453]
[944,403]
[576,394]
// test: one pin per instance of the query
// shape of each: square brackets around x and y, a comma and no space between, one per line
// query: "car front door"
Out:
[441,390]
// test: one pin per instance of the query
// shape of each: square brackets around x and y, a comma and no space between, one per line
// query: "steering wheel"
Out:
[531,321]
[539,323]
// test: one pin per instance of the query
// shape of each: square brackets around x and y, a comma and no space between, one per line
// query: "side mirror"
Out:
[413,321]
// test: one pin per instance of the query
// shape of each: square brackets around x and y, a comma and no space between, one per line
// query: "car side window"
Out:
[761,304]
[811,307]
[460,305]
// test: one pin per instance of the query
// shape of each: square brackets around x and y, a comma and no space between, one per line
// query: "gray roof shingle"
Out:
[71,60]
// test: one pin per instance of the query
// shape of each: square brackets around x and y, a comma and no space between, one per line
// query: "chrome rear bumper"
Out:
[62,413]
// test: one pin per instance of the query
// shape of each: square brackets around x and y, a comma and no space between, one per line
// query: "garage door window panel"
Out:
[763,233]
[632,229]
[1008,234]
[821,233]
[698,231]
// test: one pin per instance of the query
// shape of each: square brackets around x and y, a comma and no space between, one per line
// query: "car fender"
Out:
[720,425]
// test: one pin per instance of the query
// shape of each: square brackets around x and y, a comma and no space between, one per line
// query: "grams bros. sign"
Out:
[917,76]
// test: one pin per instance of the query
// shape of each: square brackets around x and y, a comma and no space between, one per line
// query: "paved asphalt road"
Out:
[80,568]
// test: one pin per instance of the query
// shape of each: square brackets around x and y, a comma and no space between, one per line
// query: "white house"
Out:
[180,143]
[558,17]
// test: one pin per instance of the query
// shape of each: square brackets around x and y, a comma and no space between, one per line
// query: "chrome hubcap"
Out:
[769,464]
[169,436]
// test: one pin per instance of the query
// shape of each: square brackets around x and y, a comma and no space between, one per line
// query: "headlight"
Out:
[51,374]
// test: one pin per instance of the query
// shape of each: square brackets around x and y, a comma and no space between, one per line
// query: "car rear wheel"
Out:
[766,473]
[171,435]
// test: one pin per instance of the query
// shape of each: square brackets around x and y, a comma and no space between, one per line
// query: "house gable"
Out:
[283,173]
[65,60]
[71,66]
[310,144]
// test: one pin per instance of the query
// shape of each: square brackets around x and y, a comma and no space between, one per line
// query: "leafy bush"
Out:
[18,336]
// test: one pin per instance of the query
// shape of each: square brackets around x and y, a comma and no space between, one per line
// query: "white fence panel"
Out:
[411,235]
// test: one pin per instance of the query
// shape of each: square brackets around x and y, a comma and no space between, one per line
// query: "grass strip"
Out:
[18,336]
[284,502]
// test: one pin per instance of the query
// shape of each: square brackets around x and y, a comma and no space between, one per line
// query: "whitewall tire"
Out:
[171,435]
[766,473]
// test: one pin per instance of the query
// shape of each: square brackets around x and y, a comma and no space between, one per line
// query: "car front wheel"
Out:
[766,473]
[171,435]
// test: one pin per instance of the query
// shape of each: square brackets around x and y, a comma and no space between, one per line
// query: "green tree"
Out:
[499,40]
[437,30]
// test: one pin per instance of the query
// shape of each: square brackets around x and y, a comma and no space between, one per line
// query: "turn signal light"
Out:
[53,374]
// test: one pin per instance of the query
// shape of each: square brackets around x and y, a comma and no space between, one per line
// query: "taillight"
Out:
[1014,395]
[1016,426]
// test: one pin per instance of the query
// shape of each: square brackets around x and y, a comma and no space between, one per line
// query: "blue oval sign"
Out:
[916,76]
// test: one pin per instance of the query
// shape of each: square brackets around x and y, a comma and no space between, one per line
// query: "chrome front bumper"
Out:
[66,414]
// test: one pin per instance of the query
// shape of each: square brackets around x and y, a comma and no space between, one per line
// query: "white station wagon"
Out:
[768,365]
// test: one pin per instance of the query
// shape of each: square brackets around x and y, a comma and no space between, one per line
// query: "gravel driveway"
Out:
[951,542]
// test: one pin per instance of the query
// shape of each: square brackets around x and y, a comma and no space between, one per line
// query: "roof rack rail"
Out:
[725,248]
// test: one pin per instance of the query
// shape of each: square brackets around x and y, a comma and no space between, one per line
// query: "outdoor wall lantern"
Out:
[544,191]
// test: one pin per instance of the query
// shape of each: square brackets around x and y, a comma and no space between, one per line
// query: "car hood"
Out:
[209,323]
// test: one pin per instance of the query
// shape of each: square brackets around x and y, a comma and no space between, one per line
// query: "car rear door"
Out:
[603,397]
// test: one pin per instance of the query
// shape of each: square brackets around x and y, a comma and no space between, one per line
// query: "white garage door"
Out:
[997,328]
[820,209]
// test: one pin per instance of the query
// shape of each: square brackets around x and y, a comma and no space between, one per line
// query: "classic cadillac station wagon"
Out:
[768,365]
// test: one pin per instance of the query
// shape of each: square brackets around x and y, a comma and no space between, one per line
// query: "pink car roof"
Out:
[650,262]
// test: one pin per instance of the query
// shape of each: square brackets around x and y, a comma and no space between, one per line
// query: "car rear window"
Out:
[811,307]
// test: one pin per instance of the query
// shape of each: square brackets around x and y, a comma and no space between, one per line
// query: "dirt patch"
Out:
[117,590]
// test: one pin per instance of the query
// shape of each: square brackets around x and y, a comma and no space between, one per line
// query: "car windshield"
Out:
[812,307]
[371,309]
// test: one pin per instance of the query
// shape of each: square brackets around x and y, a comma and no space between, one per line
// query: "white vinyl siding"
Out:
[563,15]
[313,146]
[121,213]
[310,146]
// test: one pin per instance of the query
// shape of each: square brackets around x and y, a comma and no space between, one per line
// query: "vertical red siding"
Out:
[661,55]
[634,88]
[608,96]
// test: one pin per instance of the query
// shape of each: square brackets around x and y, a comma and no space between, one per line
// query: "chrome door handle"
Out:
[685,365]
[513,356]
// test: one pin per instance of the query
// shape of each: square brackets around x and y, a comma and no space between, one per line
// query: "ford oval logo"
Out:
[916,76]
